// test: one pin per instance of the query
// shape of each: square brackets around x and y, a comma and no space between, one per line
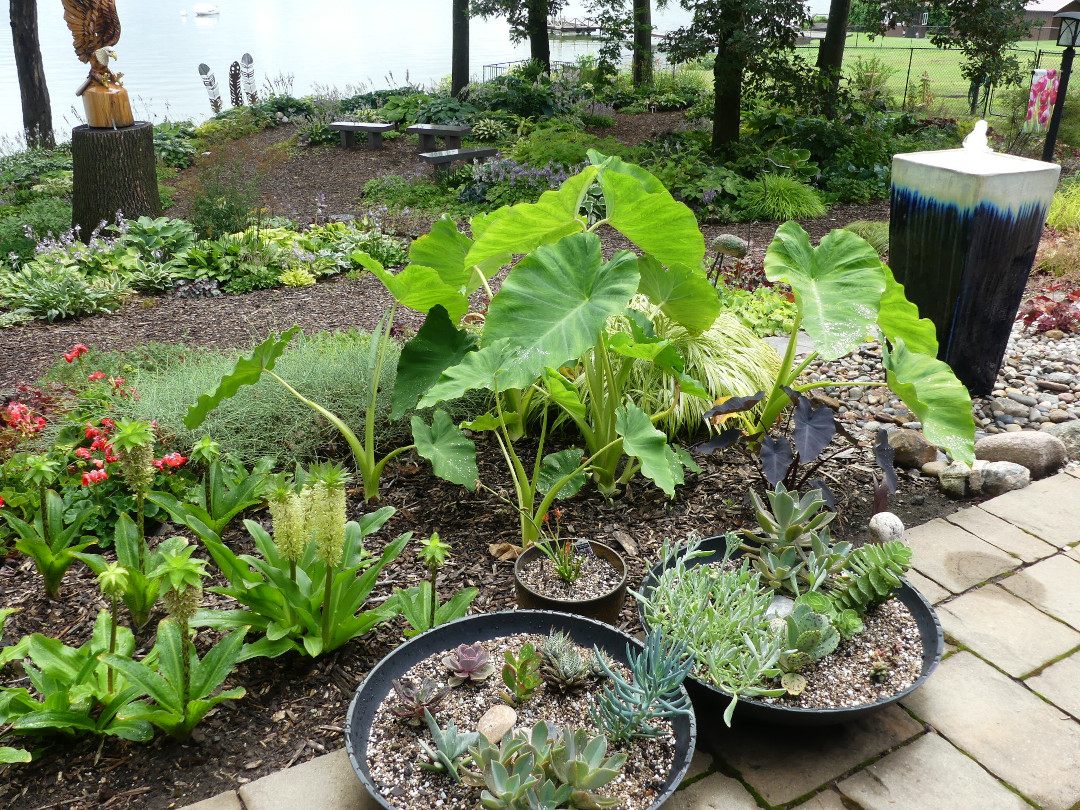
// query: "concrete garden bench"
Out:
[442,160]
[348,130]
[450,133]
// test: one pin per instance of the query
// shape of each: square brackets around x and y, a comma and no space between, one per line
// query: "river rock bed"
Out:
[1039,384]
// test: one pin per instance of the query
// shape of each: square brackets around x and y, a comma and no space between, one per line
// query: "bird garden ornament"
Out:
[96,29]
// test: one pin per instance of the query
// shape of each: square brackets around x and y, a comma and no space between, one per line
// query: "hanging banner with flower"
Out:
[1041,101]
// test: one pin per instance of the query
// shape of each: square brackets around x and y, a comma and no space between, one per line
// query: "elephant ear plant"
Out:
[843,294]
[551,315]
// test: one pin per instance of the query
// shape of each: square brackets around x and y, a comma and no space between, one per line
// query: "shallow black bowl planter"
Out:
[711,700]
[484,627]
[604,608]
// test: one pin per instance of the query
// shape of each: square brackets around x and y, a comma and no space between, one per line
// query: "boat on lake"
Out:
[206,10]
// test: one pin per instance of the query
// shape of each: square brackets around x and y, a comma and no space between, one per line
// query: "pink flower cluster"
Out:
[75,352]
[19,417]
[99,444]
[1044,90]
[172,461]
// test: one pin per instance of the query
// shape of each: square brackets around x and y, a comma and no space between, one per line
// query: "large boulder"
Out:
[1040,452]
[954,479]
[998,477]
[911,449]
[1069,433]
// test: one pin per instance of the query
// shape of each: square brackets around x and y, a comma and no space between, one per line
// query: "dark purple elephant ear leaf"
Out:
[732,405]
[776,458]
[814,429]
[883,454]
[825,490]
[725,438]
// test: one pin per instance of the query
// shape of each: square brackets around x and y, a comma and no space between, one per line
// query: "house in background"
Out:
[1040,14]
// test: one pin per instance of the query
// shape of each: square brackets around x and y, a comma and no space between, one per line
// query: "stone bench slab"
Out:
[348,130]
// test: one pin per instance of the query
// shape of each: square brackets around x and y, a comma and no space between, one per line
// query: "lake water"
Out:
[319,42]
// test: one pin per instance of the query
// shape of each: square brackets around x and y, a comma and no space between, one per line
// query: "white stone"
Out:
[885,526]
[496,722]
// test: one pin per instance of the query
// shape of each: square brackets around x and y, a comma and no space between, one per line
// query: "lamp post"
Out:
[1068,38]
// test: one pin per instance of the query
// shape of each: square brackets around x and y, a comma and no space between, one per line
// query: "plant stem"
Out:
[140,512]
[185,662]
[326,606]
[112,643]
[433,569]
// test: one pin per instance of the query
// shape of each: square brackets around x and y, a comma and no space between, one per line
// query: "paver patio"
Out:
[997,726]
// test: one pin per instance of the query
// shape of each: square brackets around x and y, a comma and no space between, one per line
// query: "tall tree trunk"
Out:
[539,44]
[113,170]
[643,50]
[727,81]
[37,113]
[459,71]
[830,57]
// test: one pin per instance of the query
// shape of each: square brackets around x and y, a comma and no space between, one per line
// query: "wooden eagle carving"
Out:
[96,28]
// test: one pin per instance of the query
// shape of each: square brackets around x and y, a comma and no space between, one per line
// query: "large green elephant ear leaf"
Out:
[451,453]
[482,369]
[647,444]
[418,287]
[837,285]
[523,227]
[899,318]
[554,304]
[639,207]
[437,346]
[445,249]
[246,372]
[939,401]
[557,466]
[682,294]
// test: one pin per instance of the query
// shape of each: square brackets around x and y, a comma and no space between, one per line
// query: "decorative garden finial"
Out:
[976,141]
[96,28]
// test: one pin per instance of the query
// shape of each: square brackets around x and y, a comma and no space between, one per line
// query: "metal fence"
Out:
[929,81]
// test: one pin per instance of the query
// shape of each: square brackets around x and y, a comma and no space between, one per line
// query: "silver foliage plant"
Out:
[720,616]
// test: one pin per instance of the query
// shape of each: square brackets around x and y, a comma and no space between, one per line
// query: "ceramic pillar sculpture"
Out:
[964,228]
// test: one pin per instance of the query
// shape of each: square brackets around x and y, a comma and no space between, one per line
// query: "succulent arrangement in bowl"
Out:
[534,711]
[796,627]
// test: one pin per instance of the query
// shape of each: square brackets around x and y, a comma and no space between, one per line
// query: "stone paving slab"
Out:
[955,558]
[928,773]
[1049,509]
[1010,731]
[927,587]
[826,800]
[1074,552]
[1058,684]
[1001,533]
[1006,630]
[1053,586]
[714,792]
[223,801]
[784,766]
[327,783]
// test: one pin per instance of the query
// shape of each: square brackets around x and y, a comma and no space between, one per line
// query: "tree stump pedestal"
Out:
[112,170]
